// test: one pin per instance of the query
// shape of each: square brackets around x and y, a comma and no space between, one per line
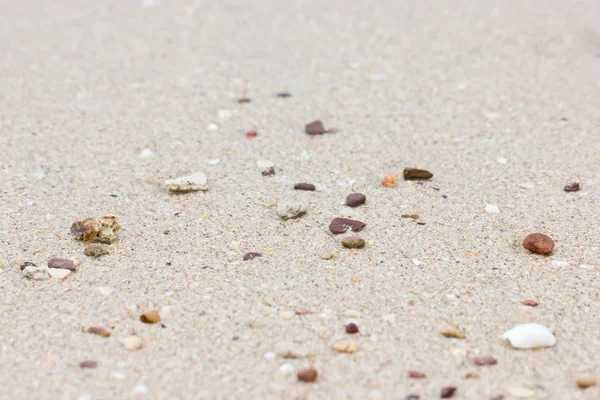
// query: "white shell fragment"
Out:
[290,209]
[530,336]
[37,273]
[492,209]
[146,153]
[58,273]
[188,183]
[265,164]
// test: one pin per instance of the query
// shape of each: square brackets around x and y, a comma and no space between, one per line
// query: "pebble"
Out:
[307,375]
[62,263]
[353,242]
[150,317]
[146,153]
[244,100]
[416,375]
[352,314]
[539,243]
[287,368]
[584,382]
[59,273]
[132,343]
[389,180]
[96,330]
[287,314]
[213,161]
[342,225]
[573,187]
[344,346]
[224,114]
[269,355]
[447,392]
[522,393]
[212,127]
[529,336]
[105,291]
[95,250]
[268,172]
[315,128]
[265,164]
[485,360]
[302,311]
[290,209]
[415,173]
[587,267]
[251,134]
[501,160]
[88,364]
[96,229]
[327,255]
[250,256]
[355,199]
[189,183]
[453,333]
[284,95]
[351,328]
[530,303]
[304,186]
[36,273]
[492,209]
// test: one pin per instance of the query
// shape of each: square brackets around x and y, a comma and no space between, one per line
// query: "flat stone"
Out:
[61,263]
[59,273]
[342,225]
[188,183]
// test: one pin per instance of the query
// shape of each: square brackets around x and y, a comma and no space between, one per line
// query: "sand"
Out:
[486,95]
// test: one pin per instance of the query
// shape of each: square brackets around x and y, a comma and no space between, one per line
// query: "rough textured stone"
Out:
[100,229]
[188,183]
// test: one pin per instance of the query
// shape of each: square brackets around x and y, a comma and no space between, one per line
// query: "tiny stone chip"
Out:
[96,330]
[416,375]
[453,333]
[342,225]
[36,273]
[351,328]
[88,364]
[584,382]
[189,183]
[132,343]
[150,317]
[573,187]
[447,392]
[485,360]
[59,274]
[344,346]
[415,173]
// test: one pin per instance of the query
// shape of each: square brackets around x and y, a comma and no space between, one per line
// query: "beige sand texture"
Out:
[487,95]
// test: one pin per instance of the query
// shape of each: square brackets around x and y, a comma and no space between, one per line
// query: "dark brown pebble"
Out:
[416,374]
[539,243]
[447,392]
[269,172]
[471,375]
[486,360]
[244,100]
[530,303]
[250,256]
[342,225]
[61,263]
[304,186]
[96,330]
[573,187]
[315,128]
[284,95]
[88,364]
[415,173]
[413,216]
[351,328]
[355,199]
[308,375]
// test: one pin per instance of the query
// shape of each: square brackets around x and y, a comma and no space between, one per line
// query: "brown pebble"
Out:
[355,199]
[415,173]
[95,250]
[538,243]
[471,375]
[304,186]
[351,328]
[88,364]
[453,333]
[573,187]
[530,303]
[447,392]
[416,375]
[308,375]
[250,256]
[268,172]
[150,317]
[251,134]
[96,330]
[413,216]
[342,225]
[353,242]
[303,311]
[315,128]
[485,360]
[584,382]
[244,100]
[61,263]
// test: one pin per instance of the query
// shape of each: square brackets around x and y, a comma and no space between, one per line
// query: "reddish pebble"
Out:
[355,199]
[251,134]
[304,186]
[447,392]
[530,303]
[269,172]
[315,128]
[88,364]
[250,256]
[351,328]
[61,263]
[539,243]
[416,374]
[308,375]
[486,360]
[342,225]
[573,187]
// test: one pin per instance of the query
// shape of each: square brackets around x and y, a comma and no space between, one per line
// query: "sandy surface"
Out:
[450,86]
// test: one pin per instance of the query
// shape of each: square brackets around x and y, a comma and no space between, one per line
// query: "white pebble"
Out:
[37,273]
[290,209]
[352,314]
[269,355]
[140,389]
[224,114]
[522,393]
[492,209]
[587,267]
[132,343]
[188,183]
[265,164]
[558,263]
[530,336]
[526,185]
[105,291]
[212,127]
[214,161]
[287,368]
[59,273]
[501,160]
[118,375]
[287,314]
[416,262]
[146,153]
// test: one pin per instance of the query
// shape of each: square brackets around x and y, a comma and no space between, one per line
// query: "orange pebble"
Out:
[389,180]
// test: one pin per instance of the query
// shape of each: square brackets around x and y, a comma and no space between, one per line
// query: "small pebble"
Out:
[327,255]
[150,317]
[59,274]
[100,229]
[389,180]
[303,311]
[415,173]
[140,388]
[412,397]
[584,382]
[224,114]
[447,392]
[501,160]
[88,364]
[265,164]
[268,172]
[269,355]
[189,183]
[36,273]
[304,186]
[539,243]
[353,242]
[342,225]
[453,333]
[529,336]
[244,100]
[251,134]
[212,127]
[522,393]
[132,343]
[315,128]
[471,375]
[250,256]
[492,209]
[485,360]
[344,346]
[412,216]
[290,209]
[573,187]
[355,199]
[287,315]
[416,375]
[287,368]
[95,250]
[530,303]
[96,330]
[146,153]
[284,95]
[61,263]
[307,375]
[351,328]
